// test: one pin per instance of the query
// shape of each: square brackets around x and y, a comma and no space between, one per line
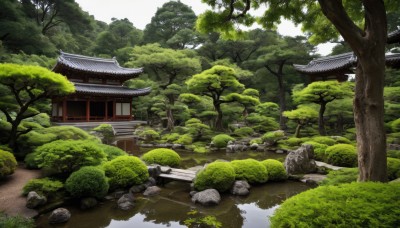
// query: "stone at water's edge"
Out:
[301,161]
[154,171]
[34,200]
[207,197]
[151,191]
[126,202]
[240,188]
[87,203]
[59,215]
[313,178]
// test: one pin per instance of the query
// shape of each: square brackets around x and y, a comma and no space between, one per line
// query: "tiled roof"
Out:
[328,64]
[95,65]
[393,60]
[111,90]
[394,37]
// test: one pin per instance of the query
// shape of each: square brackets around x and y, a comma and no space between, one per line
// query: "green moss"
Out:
[342,155]
[393,153]
[276,170]
[8,164]
[87,182]
[112,151]
[221,140]
[185,139]
[217,175]
[396,125]
[251,170]
[256,140]
[348,205]
[125,171]
[162,156]
[341,140]
[244,131]
[319,150]
[341,176]
[324,140]
[393,168]
[273,136]
[43,186]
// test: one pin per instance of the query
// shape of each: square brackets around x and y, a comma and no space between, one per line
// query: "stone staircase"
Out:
[121,128]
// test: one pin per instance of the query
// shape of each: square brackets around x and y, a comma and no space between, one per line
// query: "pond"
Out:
[173,206]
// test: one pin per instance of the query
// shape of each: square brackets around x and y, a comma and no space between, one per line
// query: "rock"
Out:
[232,148]
[240,188]
[192,193]
[152,191]
[109,197]
[144,145]
[178,146]
[59,215]
[126,202]
[313,178]
[254,146]
[166,169]
[207,197]
[150,182]
[301,161]
[137,188]
[87,203]
[118,194]
[34,200]
[394,147]
[280,151]
[154,171]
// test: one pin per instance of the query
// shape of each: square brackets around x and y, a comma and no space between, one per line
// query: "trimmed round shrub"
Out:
[8,164]
[65,157]
[217,175]
[221,140]
[87,182]
[363,204]
[112,151]
[393,153]
[125,171]
[324,140]
[162,156]
[251,170]
[342,155]
[276,170]
[341,176]
[43,186]
[393,168]
[244,131]
[319,150]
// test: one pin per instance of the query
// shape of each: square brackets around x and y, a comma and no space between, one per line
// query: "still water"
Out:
[173,206]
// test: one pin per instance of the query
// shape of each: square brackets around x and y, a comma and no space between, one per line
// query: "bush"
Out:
[244,131]
[276,170]
[393,168]
[42,119]
[251,170]
[106,130]
[292,142]
[396,125]
[217,175]
[112,151]
[149,135]
[324,140]
[162,156]
[342,155]
[341,176]
[319,150]
[171,137]
[393,153]
[342,140]
[365,204]
[185,139]
[43,186]
[125,171]
[8,164]
[273,136]
[221,140]
[65,157]
[16,221]
[87,182]
[31,162]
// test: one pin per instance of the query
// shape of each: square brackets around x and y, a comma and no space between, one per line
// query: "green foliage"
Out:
[8,164]
[65,157]
[106,130]
[393,168]
[170,137]
[396,125]
[273,136]
[43,186]
[290,143]
[243,131]
[42,119]
[125,171]
[87,182]
[348,205]
[342,155]
[162,156]
[251,170]
[262,123]
[150,135]
[276,170]
[221,140]
[18,221]
[206,221]
[185,139]
[111,151]
[341,176]
[30,161]
[217,175]
[324,140]
[197,128]
[393,154]
[319,150]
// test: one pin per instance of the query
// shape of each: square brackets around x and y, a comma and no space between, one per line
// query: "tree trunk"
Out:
[218,121]
[321,123]
[282,103]
[170,119]
[297,132]
[12,138]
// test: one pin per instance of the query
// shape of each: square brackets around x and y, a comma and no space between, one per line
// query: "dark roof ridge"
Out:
[108,86]
[334,57]
[88,57]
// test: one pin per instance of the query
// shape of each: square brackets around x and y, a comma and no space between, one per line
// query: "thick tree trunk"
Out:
[321,123]
[282,103]
[170,119]
[297,132]
[218,121]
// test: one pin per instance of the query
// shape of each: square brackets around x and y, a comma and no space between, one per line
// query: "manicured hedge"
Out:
[251,170]
[276,170]
[341,155]
[217,175]
[162,156]
[8,164]
[87,182]
[364,204]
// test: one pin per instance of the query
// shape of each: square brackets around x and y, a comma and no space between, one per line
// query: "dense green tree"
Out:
[302,116]
[23,88]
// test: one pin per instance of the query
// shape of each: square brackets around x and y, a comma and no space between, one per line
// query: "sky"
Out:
[140,12]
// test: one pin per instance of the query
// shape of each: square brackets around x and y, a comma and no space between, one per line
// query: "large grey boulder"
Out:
[240,188]
[152,191]
[126,202]
[34,200]
[59,215]
[207,197]
[154,171]
[301,161]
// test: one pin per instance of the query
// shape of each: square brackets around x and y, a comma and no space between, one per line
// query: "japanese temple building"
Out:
[99,91]
[337,67]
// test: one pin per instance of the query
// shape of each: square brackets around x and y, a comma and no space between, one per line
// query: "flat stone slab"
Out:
[313,178]
[326,165]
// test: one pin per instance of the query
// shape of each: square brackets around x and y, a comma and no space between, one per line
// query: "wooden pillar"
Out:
[87,110]
[64,110]
[106,111]
[114,109]
[130,110]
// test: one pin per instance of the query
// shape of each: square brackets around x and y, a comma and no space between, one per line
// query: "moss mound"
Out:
[347,205]
[341,155]
[112,151]
[342,176]
[217,175]
[276,170]
[8,164]
[162,156]
[221,140]
[87,182]
[324,140]
[251,170]
[43,186]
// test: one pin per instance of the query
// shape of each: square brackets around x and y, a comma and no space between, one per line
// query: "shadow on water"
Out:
[171,207]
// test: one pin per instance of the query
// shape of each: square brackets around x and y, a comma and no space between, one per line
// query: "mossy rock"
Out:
[162,156]
[217,175]
[251,170]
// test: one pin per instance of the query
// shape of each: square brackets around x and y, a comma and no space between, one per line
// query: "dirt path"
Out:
[11,200]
